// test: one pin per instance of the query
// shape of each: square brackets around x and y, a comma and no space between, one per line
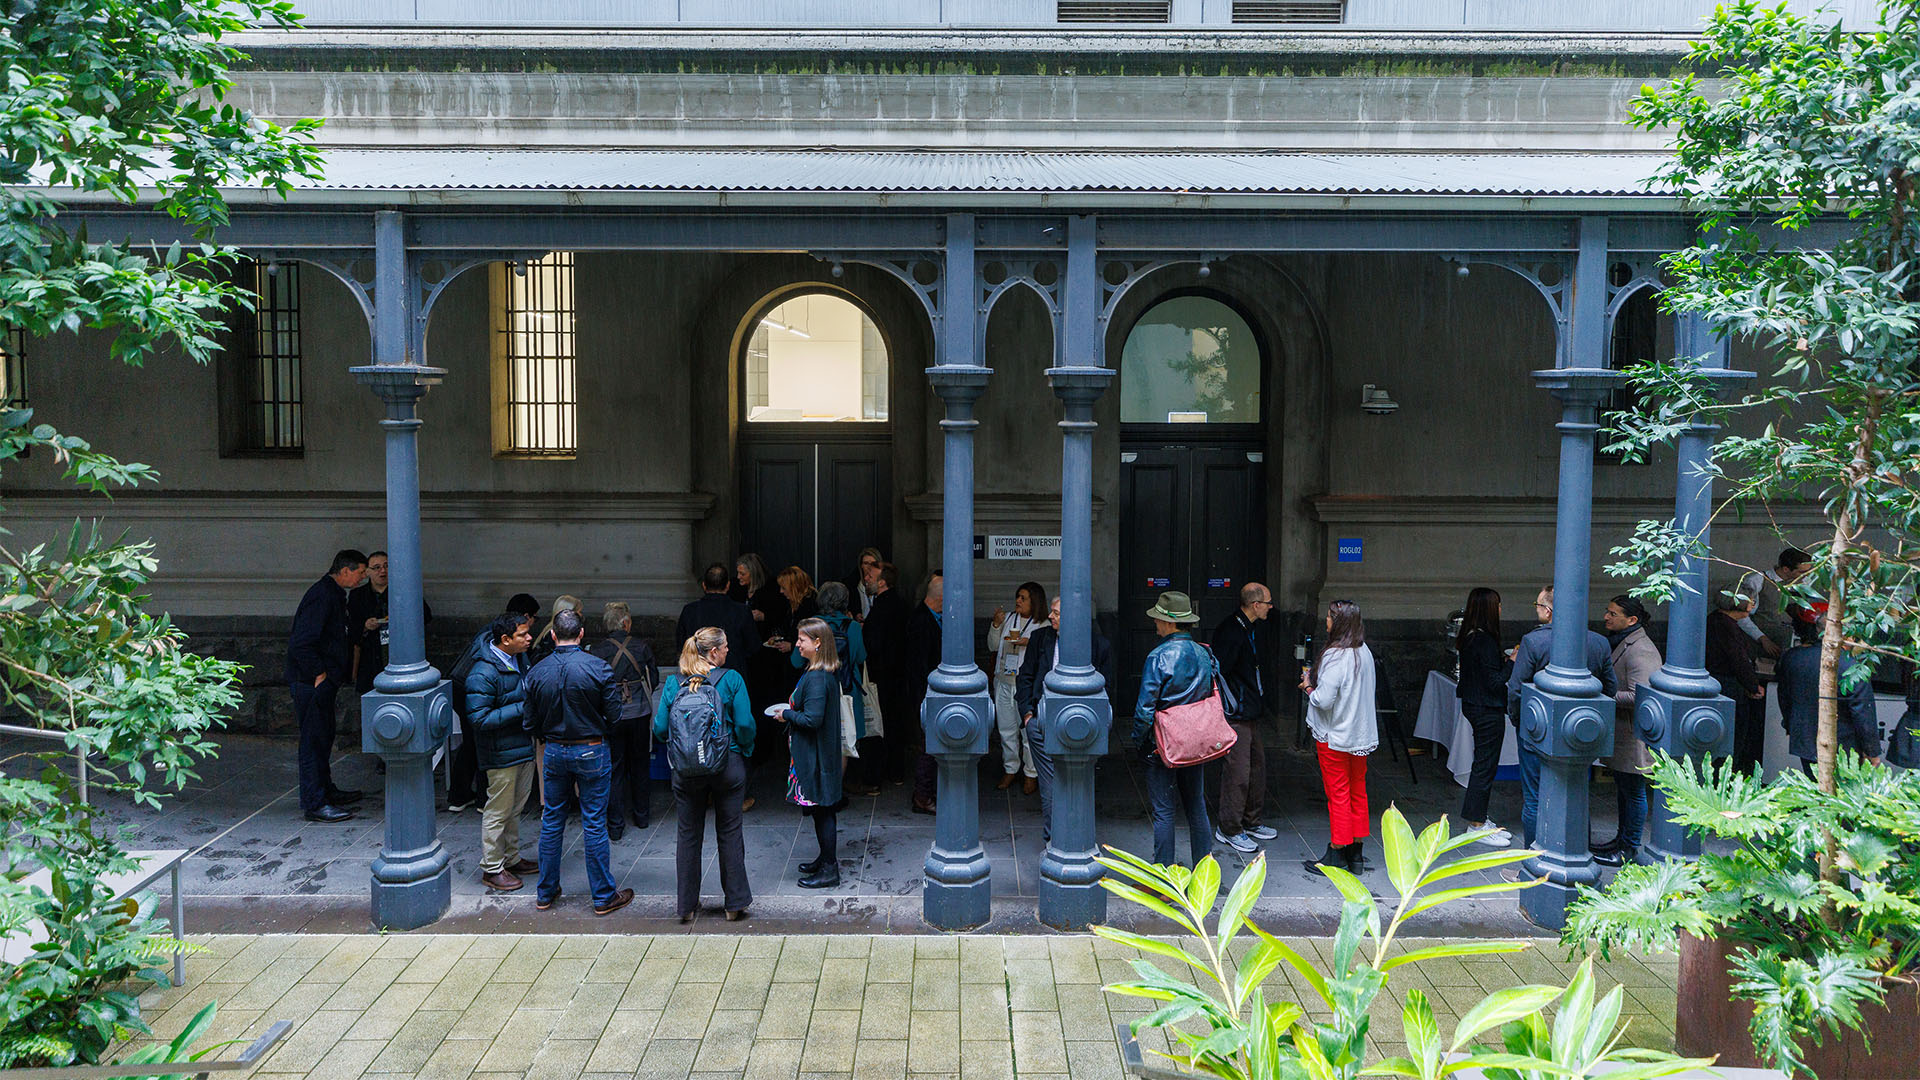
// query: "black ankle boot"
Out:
[1356,858]
[826,877]
[811,866]
[1334,857]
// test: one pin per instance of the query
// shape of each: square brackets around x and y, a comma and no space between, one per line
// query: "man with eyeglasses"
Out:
[1529,659]
[1243,778]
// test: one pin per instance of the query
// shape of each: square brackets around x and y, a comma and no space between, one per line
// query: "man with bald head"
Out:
[1243,780]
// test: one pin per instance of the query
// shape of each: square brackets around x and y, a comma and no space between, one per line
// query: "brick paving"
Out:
[743,1007]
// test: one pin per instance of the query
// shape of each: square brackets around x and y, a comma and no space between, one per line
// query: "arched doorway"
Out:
[1192,463]
[816,480]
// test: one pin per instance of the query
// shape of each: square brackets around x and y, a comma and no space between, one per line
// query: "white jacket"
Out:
[1341,711]
[1008,657]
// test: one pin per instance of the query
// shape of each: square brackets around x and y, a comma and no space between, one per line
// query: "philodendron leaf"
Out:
[1403,861]
[1240,900]
[1501,1006]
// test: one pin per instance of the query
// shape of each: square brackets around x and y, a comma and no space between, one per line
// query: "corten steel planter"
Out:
[1709,1021]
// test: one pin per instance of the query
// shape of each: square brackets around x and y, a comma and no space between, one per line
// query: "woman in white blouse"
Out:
[1009,635]
[1345,730]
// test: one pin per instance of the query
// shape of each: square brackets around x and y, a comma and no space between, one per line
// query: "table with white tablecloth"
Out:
[1441,722]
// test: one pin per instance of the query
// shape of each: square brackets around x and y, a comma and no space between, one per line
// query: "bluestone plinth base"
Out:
[410,905]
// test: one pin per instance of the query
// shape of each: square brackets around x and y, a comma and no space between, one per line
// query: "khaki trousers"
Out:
[507,791]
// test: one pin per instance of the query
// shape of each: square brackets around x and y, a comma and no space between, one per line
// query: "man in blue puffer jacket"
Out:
[495,706]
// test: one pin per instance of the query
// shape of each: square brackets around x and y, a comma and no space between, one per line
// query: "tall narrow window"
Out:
[533,359]
[13,369]
[260,389]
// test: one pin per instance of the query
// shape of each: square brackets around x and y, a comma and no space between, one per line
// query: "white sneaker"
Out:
[1238,841]
[1262,832]
[1498,838]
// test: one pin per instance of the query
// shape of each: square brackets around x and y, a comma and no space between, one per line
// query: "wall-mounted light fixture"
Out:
[1375,400]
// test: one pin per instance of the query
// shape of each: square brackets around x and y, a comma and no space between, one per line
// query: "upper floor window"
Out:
[1190,360]
[13,369]
[259,374]
[816,358]
[534,392]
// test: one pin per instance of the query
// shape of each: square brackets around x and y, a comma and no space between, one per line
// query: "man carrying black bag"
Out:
[633,671]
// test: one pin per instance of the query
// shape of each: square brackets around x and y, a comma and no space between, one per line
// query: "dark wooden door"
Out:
[815,504]
[1192,518]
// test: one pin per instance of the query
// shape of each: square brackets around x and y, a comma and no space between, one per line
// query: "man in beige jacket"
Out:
[1635,659]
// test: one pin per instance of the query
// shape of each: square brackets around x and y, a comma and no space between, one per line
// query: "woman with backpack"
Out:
[814,740]
[716,709]
[1340,713]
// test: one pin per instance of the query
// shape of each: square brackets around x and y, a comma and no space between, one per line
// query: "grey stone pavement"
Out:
[258,866]
[759,1007]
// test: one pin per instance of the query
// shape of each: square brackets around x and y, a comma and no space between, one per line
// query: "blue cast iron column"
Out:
[1682,712]
[1075,714]
[1564,717]
[408,714]
[957,715]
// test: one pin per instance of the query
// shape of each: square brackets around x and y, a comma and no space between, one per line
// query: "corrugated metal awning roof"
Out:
[1224,173]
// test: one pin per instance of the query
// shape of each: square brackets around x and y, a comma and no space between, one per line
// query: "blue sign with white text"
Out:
[1350,549]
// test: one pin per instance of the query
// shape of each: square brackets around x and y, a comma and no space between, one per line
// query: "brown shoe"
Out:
[1032,785]
[746,804]
[620,899]
[501,881]
[524,866]
[1006,781]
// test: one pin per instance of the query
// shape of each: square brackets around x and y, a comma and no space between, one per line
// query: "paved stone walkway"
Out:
[754,1007]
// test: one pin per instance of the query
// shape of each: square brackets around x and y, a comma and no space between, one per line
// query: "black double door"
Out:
[1192,518]
[815,503]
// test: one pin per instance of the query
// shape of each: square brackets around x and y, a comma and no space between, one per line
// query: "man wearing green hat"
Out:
[1179,671]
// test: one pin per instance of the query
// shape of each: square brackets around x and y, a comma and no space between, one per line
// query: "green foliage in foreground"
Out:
[1226,1026]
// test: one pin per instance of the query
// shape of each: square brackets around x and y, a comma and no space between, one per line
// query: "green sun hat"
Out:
[1174,607]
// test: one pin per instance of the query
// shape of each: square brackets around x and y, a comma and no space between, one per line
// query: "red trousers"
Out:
[1345,776]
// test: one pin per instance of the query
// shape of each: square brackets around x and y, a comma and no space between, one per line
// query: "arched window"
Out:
[816,359]
[1190,360]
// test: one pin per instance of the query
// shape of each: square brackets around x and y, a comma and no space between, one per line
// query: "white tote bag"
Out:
[876,724]
[849,731]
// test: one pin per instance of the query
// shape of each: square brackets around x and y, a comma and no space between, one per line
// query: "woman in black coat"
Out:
[813,720]
[1483,700]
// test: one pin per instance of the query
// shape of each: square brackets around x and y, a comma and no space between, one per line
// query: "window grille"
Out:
[1287,12]
[1114,11]
[261,407]
[13,369]
[535,392]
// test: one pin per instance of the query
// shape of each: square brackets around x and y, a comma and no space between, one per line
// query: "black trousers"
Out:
[902,719]
[1489,733]
[1749,732]
[469,783]
[632,772]
[826,832]
[724,792]
[313,708]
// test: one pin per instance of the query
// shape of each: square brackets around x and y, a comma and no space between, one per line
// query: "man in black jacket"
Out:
[715,608]
[319,662]
[885,632]
[571,705]
[922,657]
[1043,653]
[1243,779]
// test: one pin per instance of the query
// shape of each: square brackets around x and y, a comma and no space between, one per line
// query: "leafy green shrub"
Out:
[1809,952]
[1248,1037]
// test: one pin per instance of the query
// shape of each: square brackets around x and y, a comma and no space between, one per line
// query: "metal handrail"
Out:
[79,753]
[254,1051]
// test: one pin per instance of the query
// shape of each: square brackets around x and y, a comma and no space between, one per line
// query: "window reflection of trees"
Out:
[1209,373]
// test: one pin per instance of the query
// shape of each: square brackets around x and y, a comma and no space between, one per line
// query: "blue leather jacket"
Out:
[1178,671]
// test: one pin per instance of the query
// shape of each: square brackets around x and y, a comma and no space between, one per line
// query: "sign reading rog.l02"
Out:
[1350,549]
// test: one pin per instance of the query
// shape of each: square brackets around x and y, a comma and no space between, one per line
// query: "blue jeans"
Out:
[1632,790]
[1043,773]
[587,770]
[1187,787]
[1529,791]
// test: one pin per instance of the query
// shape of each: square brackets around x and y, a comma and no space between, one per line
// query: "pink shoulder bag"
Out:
[1194,733]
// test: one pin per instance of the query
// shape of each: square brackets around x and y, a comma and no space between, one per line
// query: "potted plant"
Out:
[1233,1031]
[1779,964]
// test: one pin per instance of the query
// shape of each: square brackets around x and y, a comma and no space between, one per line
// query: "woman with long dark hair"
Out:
[1340,714]
[1008,635]
[1483,698]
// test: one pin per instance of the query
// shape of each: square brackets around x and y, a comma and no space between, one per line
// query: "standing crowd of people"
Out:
[822,686]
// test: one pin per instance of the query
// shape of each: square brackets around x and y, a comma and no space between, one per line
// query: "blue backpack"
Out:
[697,743]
